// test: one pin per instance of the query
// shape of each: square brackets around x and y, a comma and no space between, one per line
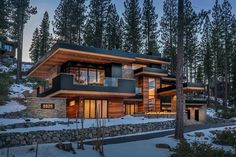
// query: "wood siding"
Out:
[116,108]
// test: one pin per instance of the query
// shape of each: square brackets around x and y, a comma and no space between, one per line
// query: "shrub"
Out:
[185,149]
[5,82]
[225,137]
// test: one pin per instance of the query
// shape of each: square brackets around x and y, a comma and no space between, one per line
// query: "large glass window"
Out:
[92,76]
[151,94]
[83,79]
[95,108]
[130,109]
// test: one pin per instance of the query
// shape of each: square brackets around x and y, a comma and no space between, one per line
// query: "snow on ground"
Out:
[17,90]
[207,137]
[211,113]
[87,123]
[137,148]
[25,67]
[11,106]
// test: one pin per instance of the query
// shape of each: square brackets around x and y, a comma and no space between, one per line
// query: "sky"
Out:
[51,5]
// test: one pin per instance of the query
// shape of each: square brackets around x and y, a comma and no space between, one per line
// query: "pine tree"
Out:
[45,36]
[96,22]
[112,29]
[199,75]
[149,27]
[78,19]
[21,12]
[227,44]
[4,16]
[63,21]
[132,19]
[216,44]
[207,54]
[180,103]
[35,46]
[191,41]
[168,31]
[120,33]
[233,67]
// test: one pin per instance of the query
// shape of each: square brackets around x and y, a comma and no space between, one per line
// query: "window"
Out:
[95,108]
[83,78]
[151,94]
[130,109]
[7,47]
[92,76]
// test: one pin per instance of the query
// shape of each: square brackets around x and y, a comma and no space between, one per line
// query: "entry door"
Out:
[197,115]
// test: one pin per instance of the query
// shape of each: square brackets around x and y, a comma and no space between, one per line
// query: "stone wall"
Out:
[34,109]
[29,138]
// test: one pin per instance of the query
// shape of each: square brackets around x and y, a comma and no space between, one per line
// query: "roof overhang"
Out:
[187,88]
[61,54]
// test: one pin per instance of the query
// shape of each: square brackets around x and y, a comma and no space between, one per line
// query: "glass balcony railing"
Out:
[111,82]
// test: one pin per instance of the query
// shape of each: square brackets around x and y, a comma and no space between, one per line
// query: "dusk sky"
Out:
[51,5]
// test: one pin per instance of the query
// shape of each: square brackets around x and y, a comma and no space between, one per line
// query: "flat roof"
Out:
[62,52]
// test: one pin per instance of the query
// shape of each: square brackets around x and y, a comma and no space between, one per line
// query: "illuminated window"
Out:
[151,94]
[130,109]
[72,103]
[95,108]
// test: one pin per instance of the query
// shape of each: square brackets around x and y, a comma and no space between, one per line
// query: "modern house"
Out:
[110,83]
[7,50]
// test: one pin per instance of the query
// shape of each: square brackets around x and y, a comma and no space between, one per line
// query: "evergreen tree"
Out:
[180,102]
[111,29]
[168,31]
[45,37]
[227,44]
[132,19]
[216,44]
[21,12]
[207,53]
[4,16]
[120,33]
[78,19]
[149,27]
[96,22]
[63,21]
[35,46]
[191,41]
[199,75]
[233,70]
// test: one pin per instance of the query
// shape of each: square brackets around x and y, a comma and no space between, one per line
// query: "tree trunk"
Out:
[179,130]
[20,45]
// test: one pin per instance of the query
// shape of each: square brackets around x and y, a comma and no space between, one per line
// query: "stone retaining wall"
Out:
[29,138]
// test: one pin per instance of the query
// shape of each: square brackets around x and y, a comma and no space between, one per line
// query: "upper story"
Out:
[71,68]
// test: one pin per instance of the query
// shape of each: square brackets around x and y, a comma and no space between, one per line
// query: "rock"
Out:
[163,146]
[199,134]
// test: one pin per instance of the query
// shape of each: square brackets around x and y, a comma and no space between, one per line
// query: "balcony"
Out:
[66,83]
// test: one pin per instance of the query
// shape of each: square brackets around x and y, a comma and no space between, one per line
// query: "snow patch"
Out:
[17,90]
[11,106]
[87,123]
[211,113]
